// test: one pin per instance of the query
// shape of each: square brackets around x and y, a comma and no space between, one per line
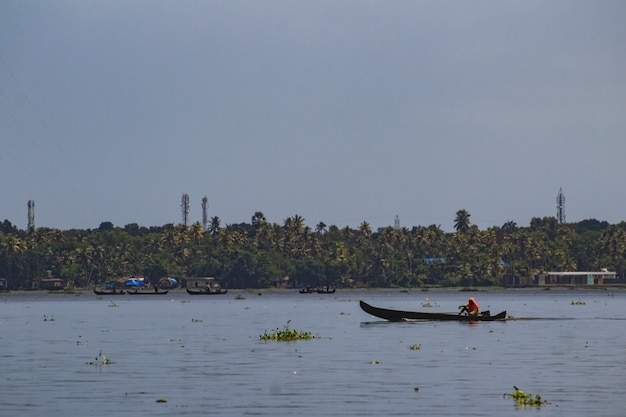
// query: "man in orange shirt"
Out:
[471,308]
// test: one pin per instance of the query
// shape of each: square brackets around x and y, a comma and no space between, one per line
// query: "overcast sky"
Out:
[337,111]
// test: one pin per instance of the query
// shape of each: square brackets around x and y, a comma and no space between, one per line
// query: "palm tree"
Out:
[462,221]
[12,247]
[214,226]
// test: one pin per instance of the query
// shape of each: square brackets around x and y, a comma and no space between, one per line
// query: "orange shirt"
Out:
[472,306]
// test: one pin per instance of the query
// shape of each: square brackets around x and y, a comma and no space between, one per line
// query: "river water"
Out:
[181,355]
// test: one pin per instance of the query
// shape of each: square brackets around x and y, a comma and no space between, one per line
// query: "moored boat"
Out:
[157,292]
[109,292]
[398,315]
[206,292]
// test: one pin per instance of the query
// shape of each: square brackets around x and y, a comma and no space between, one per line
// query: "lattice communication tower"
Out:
[205,216]
[560,206]
[31,216]
[184,205]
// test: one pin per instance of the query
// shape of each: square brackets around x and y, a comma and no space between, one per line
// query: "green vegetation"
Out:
[286,335]
[525,399]
[259,254]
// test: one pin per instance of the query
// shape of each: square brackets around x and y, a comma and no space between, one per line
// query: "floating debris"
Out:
[523,399]
[101,359]
[161,400]
[577,303]
[416,346]
[286,334]
[48,318]
[113,304]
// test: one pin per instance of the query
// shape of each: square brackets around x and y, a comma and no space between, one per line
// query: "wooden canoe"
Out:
[147,292]
[109,292]
[205,292]
[398,315]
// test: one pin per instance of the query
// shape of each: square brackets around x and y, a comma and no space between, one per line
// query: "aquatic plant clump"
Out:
[286,334]
[524,399]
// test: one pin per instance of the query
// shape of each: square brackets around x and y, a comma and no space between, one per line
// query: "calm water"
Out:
[204,356]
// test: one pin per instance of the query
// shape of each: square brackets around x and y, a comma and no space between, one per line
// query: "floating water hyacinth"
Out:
[524,399]
[101,359]
[286,334]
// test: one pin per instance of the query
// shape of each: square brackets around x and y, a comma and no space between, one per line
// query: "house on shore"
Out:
[578,278]
[603,277]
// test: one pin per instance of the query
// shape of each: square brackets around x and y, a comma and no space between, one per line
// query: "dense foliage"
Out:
[259,253]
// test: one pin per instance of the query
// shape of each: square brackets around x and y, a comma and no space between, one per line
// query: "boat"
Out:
[323,290]
[108,292]
[157,292]
[206,292]
[398,315]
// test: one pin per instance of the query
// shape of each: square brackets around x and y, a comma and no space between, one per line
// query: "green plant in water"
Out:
[524,399]
[579,302]
[286,334]
[416,346]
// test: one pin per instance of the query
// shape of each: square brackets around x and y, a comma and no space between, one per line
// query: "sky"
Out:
[339,112]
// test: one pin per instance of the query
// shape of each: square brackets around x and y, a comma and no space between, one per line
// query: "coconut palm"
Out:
[462,221]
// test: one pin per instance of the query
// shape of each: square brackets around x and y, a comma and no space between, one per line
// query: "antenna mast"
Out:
[31,216]
[205,218]
[560,206]
[184,205]
[396,223]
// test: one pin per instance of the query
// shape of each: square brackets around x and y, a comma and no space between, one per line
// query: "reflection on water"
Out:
[204,356]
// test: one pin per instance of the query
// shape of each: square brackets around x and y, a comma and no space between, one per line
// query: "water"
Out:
[203,355]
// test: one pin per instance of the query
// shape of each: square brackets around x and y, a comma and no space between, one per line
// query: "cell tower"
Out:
[184,205]
[396,223]
[205,218]
[31,216]
[560,207]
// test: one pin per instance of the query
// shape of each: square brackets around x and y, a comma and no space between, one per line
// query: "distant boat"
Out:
[109,292]
[322,290]
[155,291]
[206,292]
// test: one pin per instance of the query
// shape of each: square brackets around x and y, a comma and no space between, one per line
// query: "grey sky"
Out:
[340,112]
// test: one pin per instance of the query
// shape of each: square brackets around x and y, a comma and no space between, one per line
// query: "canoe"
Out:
[323,290]
[109,292]
[147,292]
[205,292]
[398,315]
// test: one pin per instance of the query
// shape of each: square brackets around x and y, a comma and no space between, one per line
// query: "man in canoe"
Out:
[471,308]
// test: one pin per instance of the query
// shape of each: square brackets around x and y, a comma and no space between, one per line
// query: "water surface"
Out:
[203,355]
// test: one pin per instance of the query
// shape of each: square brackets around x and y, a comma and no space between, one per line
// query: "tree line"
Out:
[260,254]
